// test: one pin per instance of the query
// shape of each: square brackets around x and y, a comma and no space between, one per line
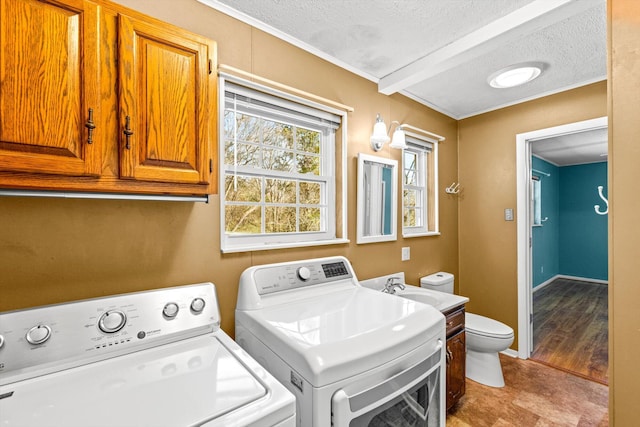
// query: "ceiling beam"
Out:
[533,17]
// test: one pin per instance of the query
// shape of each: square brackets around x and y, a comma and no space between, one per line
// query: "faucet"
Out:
[392,284]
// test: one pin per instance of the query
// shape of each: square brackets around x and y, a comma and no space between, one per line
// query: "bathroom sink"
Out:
[440,300]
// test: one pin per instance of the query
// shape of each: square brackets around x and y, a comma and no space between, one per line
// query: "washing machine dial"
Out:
[38,334]
[112,321]
[304,273]
[170,310]
[197,305]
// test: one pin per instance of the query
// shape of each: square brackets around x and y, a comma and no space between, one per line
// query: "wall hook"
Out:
[597,207]
[453,188]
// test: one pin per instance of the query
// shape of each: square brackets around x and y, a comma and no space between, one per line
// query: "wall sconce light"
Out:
[379,137]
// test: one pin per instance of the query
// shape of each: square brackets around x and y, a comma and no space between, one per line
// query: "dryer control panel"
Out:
[282,277]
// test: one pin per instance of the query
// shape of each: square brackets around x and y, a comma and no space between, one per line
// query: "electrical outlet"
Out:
[406,254]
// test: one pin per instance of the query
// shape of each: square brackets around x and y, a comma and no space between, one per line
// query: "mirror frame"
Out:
[360,235]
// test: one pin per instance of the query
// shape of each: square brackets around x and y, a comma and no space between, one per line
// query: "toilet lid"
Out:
[481,325]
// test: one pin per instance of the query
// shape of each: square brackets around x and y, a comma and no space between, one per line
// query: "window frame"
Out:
[427,151]
[333,163]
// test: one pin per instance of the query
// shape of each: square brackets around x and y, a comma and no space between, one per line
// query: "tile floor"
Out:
[535,395]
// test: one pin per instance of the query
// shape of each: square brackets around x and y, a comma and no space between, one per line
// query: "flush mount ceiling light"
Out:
[515,75]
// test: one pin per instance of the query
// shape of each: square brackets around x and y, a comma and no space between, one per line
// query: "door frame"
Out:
[524,234]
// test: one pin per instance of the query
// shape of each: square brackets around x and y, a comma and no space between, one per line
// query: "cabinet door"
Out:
[49,82]
[456,373]
[167,103]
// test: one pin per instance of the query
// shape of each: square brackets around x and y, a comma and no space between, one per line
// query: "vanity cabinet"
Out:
[455,355]
[98,97]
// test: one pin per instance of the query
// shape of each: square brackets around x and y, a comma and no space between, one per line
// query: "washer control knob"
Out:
[170,310]
[112,321]
[304,273]
[38,334]
[197,305]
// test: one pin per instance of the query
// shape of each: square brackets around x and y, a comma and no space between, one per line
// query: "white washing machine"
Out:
[352,356]
[155,358]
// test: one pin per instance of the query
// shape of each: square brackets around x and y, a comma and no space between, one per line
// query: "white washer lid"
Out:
[184,383]
[485,326]
[342,333]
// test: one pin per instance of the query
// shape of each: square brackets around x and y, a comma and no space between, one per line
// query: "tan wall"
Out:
[624,202]
[487,173]
[55,250]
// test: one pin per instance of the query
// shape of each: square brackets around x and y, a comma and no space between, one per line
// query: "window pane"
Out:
[308,164]
[242,219]
[309,219]
[309,193]
[248,128]
[278,134]
[280,191]
[308,140]
[410,198]
[278,160]
[280,219]
[410,168]
[242,189]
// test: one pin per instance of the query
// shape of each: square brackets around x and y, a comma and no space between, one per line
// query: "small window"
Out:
[536,205]
[419,187]
[278,171]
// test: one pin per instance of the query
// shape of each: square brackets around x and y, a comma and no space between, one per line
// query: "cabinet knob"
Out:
[90,125]
[127,132]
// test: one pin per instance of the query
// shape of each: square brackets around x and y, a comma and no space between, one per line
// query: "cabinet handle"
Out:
[90,125]
[127,132]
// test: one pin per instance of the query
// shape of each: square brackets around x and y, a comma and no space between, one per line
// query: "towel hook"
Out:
[453,188]
[597,207]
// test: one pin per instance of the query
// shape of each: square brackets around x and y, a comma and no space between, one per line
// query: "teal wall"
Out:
[573,240]
[583,233]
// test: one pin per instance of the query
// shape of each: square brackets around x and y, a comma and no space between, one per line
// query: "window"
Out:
[536,198]
[278,169]
[419,187]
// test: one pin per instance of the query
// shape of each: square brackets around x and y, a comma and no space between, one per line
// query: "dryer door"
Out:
[413,397]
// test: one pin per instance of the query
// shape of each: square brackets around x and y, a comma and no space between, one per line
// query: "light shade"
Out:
[515,75]
[398,140]
[379,136]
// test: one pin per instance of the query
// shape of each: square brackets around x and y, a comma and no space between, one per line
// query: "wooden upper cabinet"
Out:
[167,103]
[49,81]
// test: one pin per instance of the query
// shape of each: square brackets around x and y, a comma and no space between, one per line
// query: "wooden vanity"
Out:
[455,354]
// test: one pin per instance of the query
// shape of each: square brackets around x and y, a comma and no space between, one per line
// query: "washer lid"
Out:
[342,333]
[184,383]
[485,326]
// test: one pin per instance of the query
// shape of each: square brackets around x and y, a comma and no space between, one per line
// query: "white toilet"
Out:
[485,337]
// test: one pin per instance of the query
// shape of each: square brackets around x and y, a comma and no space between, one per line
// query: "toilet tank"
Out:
[440,281]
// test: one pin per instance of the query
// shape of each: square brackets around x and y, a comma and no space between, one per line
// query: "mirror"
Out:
[377,194]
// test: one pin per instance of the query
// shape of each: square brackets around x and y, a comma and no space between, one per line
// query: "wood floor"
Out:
[535,395]
[570,328]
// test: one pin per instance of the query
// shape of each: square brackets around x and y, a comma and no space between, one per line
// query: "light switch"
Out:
[406,254]
[508,214]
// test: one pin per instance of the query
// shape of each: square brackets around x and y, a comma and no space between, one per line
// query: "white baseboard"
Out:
[510,352]
[564,276]
[583,279]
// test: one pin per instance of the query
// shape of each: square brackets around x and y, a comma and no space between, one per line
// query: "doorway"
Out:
[525,218]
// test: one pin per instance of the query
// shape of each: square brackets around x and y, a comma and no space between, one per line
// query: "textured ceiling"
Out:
[576,148]
[439,52]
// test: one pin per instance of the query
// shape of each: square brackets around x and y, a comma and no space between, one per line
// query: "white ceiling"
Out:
[571,149]
[440,52]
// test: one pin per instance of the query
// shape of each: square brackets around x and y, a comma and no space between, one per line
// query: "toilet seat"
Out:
[486,327]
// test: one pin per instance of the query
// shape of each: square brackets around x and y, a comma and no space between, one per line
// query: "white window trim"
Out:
[340,226]
[436,215]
